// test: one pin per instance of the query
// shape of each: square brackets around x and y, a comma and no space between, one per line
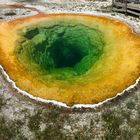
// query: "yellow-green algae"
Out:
[60,51]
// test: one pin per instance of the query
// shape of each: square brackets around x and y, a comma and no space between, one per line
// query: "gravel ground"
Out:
[24,119]
[8,13]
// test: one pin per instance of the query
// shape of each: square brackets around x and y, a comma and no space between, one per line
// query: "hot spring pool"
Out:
[70,58]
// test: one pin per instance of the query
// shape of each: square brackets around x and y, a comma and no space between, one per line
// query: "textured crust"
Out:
[118,68]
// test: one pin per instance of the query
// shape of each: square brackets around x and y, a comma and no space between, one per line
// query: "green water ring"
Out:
[60,51]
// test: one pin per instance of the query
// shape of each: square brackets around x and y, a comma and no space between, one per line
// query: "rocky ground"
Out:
[24,119]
